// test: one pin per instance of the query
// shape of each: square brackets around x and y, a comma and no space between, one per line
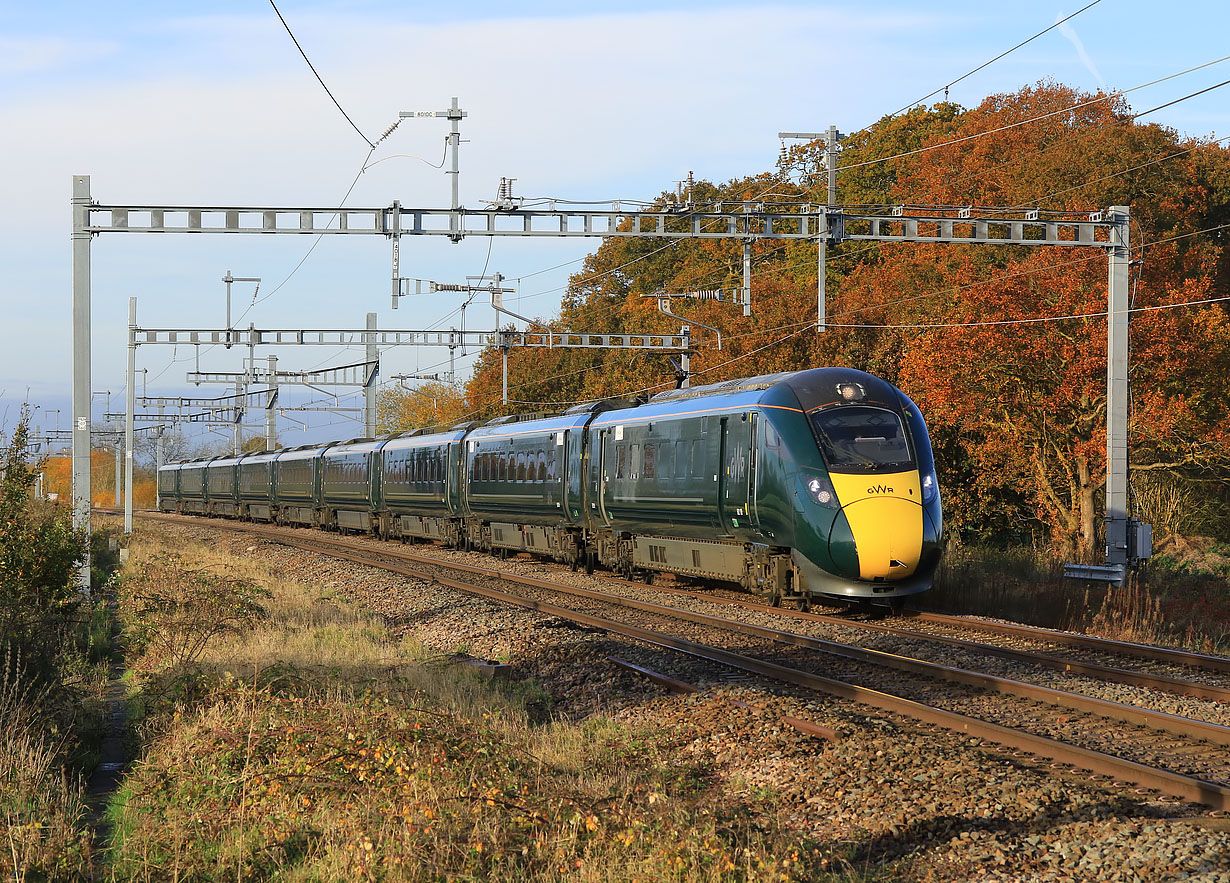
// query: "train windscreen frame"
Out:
[862,438]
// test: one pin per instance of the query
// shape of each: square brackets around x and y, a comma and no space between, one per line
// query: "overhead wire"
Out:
[319,79]
[987,64]
[1101,98]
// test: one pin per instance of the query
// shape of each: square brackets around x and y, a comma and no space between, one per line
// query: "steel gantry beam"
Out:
[743,222]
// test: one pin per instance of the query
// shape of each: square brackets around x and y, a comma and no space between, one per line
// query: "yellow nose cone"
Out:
[886,518]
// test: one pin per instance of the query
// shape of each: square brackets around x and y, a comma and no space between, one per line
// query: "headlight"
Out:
[822,492]
[929,488]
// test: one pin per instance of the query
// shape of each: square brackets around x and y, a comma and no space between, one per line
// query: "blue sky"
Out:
[162,103]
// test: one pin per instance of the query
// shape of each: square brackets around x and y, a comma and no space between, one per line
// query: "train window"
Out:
[771,438]
[636,461]
[697,455]
[542,465]
[486,461]
[861,439]
[551,464]
[647,469]
[501,466]
[621,459]
[520,476]
[663,453]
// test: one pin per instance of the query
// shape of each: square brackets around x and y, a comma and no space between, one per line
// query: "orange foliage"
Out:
[58,479]
[1017,410]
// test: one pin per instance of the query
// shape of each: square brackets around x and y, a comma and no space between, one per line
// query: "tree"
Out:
[39,555]
[1017,409]
[434,404]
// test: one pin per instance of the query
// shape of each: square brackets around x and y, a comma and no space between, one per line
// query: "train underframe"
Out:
[764,570]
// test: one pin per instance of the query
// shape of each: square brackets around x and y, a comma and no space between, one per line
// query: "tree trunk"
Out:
[1088,511]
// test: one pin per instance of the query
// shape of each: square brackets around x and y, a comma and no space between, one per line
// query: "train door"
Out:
[736,471]
[455,466]
[753,472]
[602,473]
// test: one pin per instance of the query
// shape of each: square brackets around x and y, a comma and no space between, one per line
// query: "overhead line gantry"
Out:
[746,222]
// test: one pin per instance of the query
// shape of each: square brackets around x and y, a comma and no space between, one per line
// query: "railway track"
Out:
[1154,750]
[1172,754]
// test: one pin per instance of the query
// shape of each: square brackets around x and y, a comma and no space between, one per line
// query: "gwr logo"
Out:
[879,489]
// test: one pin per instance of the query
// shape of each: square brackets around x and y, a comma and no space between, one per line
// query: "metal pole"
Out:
[830,161]
[81,367]
[504,361]
[369,390]
[130,412]
[228,279]
[1117,391]
[821,294]
[238,432]
[158,460]
[685,361]
[271,415]
[119,475]
[747,262]
[455,142]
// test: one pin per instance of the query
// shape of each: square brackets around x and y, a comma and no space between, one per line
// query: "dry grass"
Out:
[43,834]
[1181,598]
[312,744]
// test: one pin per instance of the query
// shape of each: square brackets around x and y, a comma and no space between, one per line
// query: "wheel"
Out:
[573,564]
[648,578]
[805,605]
[590,560]
[775,600]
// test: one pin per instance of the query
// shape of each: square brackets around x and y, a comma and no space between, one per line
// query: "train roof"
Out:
[762,381]
[355,446]
[522,428]
[418,439]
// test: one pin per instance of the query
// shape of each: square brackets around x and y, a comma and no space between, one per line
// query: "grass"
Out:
[1180,598]
[43,833]
[309,743]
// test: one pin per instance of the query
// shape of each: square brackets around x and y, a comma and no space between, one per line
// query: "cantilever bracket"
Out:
[664,307]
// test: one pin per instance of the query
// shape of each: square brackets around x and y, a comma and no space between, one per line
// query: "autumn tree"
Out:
[1014,392]
[434,404]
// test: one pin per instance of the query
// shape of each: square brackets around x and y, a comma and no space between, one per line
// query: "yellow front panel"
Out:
[886,517]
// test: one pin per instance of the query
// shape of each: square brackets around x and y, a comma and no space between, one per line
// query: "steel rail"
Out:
[1175,656]
[1155,720]
[1187,787]
[1089,669]
[1092,669]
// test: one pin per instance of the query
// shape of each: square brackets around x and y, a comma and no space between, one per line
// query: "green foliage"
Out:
[39,555]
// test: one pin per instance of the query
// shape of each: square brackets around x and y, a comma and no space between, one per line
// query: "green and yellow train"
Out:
[801,485]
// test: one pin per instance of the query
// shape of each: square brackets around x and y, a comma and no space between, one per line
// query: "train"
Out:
[801,486]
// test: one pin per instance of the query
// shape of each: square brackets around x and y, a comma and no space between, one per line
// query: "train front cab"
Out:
[868,523]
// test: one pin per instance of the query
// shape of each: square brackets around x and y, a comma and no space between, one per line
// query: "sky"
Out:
[166,104]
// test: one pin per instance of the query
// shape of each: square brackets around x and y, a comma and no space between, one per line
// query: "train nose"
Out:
[883,535]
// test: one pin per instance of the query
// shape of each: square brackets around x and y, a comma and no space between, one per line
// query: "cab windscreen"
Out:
[855,438]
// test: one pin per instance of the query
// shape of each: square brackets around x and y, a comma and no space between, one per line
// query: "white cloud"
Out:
[1070,34]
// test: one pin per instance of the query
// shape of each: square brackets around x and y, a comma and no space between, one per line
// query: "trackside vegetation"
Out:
[52,643]
[287,734]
